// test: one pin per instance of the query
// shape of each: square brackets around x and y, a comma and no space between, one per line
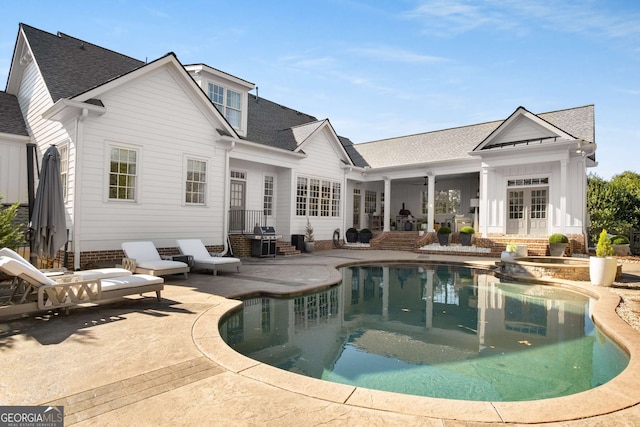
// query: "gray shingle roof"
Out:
[270,124]
[11,120]
[278,126]
[71,66]
[456,143]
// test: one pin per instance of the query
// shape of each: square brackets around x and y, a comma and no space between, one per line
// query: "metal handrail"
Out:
[243,221]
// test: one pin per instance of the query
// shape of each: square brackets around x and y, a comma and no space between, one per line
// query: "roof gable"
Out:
[304,135]
[522,128]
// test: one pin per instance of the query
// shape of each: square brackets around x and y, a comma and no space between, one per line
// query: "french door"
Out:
[528,211]
[237,207]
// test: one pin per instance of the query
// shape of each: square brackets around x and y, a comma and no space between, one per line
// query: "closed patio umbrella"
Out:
[48,224]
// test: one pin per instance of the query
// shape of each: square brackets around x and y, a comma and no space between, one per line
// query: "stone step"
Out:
[285,249]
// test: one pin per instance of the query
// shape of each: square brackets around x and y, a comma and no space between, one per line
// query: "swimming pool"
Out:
[432,330]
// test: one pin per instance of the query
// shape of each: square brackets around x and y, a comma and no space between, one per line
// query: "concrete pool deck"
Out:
[163,363]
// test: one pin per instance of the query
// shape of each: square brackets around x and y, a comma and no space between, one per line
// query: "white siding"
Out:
[157,117]
[34,100]
[323,162]
[520,130]
[13,171]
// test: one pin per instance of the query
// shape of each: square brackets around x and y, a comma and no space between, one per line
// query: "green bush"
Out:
[365,231]
[467,230]
[444,230]
[558,238]
[604,248]
[619,240]
[352,231]
[11,235]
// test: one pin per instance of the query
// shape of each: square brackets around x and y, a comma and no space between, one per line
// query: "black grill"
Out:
[264,241]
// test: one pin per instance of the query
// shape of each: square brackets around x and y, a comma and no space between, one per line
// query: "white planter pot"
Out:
[421,233]
[506,255]
[602,271]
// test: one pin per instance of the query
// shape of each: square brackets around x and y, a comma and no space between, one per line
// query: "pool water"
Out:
[432,330]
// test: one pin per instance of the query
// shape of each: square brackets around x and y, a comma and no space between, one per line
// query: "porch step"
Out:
[286,249]
[396,241]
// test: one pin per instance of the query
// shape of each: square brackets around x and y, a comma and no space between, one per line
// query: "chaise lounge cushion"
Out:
[148,260]
[201,256]
[126,282]
[20,268]
[102,273]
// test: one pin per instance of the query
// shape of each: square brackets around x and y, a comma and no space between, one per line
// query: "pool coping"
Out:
[618,394]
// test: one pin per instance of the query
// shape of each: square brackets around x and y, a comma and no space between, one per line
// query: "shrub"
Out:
[308,232]
[352,231]
[467,230]
[365,231]
[604,248]
[619,240]
[558,238]
[11,235]
[444,230]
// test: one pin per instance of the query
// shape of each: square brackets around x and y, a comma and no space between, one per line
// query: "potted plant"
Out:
[466,234]
[557,244]
[620,245]
[352,235]
[365,235]
[602,267]
[443,235]
[309,239]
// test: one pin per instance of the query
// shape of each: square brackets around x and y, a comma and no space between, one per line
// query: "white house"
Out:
[160,151]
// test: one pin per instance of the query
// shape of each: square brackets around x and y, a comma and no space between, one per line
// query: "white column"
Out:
[563,195]
[431,189]
[428,295]
[483,211]
[387,204]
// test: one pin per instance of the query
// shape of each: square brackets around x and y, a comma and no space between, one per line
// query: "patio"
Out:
[161,363]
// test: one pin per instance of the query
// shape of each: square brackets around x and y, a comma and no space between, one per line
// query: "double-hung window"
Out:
[196,182]
[228,102]
[64,169]
[123,173]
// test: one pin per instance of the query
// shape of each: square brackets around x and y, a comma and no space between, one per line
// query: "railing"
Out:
[244,221]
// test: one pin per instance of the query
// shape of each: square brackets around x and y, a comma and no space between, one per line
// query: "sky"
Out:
[381,69]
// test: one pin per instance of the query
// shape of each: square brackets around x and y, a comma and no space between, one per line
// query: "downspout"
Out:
[225,212]
[347,169]
[77,189]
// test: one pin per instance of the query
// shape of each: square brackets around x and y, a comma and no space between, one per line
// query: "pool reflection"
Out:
[442,319]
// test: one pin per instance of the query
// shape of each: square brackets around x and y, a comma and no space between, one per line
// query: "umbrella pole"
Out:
[31,153]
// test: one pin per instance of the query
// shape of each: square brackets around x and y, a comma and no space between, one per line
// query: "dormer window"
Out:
[228,102]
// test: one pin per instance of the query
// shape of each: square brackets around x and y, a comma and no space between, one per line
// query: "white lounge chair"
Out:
[98,273]
[34,291]
[202,259]
[143,257]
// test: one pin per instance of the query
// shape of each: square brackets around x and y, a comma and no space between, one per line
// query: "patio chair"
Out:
[34,291]
[202,259]
[143,257]
[98,273]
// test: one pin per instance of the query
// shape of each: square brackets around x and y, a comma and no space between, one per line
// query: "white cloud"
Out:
[393,54]
[449,18]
